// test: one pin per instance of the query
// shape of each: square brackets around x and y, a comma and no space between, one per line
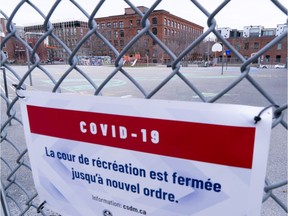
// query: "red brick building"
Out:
[253,38]
[14,50]
[172,30]
[8,47]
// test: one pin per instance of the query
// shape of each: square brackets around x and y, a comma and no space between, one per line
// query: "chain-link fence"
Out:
[18,195]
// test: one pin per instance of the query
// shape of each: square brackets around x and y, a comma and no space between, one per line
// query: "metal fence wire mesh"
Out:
[18,195]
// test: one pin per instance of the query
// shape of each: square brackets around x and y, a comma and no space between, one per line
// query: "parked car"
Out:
[263,66]
[278,66]
[49,60]
[58,59]
[11,61]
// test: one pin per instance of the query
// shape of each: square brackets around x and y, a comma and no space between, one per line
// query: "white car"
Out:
[263,66]
[279,66]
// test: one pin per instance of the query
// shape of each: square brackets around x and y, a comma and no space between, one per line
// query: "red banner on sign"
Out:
[219,144]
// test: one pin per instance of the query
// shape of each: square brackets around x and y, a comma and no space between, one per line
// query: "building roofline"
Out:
[253,26]
[155,11]
[55,22]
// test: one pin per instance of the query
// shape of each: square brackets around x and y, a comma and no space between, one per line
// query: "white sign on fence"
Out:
[93,155]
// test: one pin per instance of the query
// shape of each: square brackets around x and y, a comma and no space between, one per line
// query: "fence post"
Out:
[4,210]
[5,88]
[5,81]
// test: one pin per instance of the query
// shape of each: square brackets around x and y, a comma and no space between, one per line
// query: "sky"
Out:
[236,14]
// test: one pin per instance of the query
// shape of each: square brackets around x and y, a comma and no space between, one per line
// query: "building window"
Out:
[109,34]
[138,22]
[254,32]
[115,25]
[237,46]
[131,23]
[232,34]
[121,24]
[278,58]
[2,33]
[165,21]
[102,25]
[256,45]
[172,24]
[154,20]
[165,31]
[121,33]
[115,34]
[115,43]
[268,33]
[108,24]
[146,43]
[168,22]
[279,46]
[246,46]
[267,58]
[154,31]
[121,42]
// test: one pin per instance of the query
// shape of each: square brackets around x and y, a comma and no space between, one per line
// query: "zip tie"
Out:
[41,206]
[279,110]
[258,118]
[17,89]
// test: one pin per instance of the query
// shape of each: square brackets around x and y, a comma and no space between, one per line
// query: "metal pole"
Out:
[208,50]
[222,60]
[4,207]
[6,89]
[28,60]
[5,82]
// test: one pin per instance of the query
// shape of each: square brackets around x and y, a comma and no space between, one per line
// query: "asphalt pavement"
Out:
[209,81]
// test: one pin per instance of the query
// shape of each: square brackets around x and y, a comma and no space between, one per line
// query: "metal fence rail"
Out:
[20,198]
